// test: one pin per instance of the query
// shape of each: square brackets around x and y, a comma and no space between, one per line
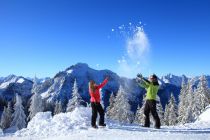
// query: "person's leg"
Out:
[146,113]
[101,113]
[155,114]
[94,114]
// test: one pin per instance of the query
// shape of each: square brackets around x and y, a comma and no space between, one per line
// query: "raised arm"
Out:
[102,84]
[144,82]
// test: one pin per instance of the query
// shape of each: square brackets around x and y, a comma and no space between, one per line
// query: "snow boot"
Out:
[146,125]
[102,125]
[95,126]
[157,127]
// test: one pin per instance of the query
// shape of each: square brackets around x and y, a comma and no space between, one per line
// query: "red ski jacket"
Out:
[95,96]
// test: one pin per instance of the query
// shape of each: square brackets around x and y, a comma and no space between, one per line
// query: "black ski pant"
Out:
[150,106]
[97,108]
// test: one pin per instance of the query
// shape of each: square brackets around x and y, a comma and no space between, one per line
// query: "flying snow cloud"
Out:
[137,50]
[137,45]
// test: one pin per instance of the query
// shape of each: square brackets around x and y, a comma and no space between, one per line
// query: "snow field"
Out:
[76,126]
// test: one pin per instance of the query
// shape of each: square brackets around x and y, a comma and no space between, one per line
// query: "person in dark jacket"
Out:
[152,87]
[95,102]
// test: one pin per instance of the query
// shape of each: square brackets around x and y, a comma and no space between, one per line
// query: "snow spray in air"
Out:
[136,50]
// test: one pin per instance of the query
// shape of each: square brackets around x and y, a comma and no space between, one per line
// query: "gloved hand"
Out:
[138,80]
[139,76]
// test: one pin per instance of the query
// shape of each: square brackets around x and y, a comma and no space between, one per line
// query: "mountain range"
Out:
[60,86]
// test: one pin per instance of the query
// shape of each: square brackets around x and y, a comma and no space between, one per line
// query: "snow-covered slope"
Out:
[205,116]
[177,80]
[5,82]
[1,79]
[76,125]
[38,80]
[8,80]
[43,124]
[15,84]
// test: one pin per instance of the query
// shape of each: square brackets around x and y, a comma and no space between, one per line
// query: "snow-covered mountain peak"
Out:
[78,66]
[11,79]
[21,80]
[60,86]
[174,80]
[69,71]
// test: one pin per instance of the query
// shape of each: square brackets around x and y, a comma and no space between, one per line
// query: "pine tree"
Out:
[58,107]
[111,105]
[19,117]
[6,118]
[203,93]
[48,106]
[4,122]
[102,96]
[196,107]
[36,105]
[182,102]
[173,112]
[76,99]
[35,84]
[160,112]
[122,108]
[188,117]
[9,112]
[166,115]
[139,117]
[201,97]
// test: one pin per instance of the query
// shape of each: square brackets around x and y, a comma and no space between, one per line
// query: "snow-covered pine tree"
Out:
[188,116]
[58,107]
[102,96]
[9,112]
[35,83]
[139,117]
[36,105]
[4,123]
[122,108]
[6,118]
[182,102]
[111,105]
[201,97]
[173,112]
[48,106]
[76,99]
[166,115]
[160,112]
[19,117]
[204,92]
[196,106]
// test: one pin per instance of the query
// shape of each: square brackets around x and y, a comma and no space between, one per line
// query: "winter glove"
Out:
[139,76]
[138,80]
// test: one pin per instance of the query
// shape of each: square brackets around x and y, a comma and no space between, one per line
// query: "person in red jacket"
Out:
[95,102]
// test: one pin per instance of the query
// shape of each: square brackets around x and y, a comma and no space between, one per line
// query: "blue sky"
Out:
[43,37]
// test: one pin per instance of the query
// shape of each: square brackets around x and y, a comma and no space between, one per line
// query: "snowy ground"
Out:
[76,126]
